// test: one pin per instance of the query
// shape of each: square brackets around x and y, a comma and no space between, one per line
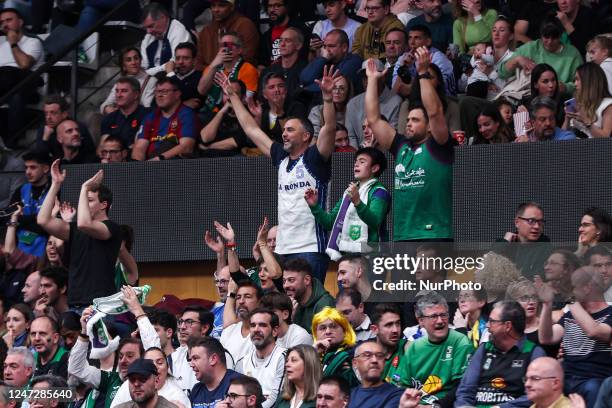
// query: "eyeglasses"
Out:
[367,355]
[536,378]
[533,221]
[188,322]
[466,297]
[164,91]
[109,152]
[221,281]
[442,316]
[372,9]
[496,320]
[232,396]
[339,89]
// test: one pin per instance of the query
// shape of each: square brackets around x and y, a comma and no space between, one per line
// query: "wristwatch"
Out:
[426,75]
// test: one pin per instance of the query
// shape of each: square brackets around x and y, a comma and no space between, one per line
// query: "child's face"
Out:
[479,50]
[506,113]
[597,53]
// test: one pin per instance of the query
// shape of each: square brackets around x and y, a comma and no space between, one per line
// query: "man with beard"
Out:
[105,383]
[69,137]
[373,392]
[183,67]
[279,17]
[53,291]
[434,364]
[440,24]
[32,238]
[301,165]
[423,158]
[225,19]
[307,293]
[387,328]
[207,359]
[495,372]
[50,357]
[543,121]
[31,289]
[144,383]
[55,109]
[235,337]
[266,360]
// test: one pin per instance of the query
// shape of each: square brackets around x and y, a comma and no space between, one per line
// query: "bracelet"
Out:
[232,295]
[140,315]
[14,45]
[330,100]
[161,157]
[12,224]
[84,336]
[230,245]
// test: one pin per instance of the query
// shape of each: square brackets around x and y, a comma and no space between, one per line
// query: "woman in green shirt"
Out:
[472,25]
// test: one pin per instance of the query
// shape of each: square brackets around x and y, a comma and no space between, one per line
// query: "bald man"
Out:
[544,384]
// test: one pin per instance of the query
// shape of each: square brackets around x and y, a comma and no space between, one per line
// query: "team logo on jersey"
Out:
[173,125]
[355,232]
[517,363]
[432,384]
[395,361]
[498,382]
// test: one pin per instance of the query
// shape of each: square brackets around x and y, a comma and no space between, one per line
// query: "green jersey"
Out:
[434,368]
[109,385]
[423,189]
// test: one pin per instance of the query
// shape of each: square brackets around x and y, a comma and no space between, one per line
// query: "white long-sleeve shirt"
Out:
[177,33]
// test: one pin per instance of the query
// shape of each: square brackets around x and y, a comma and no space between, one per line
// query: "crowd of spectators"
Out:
[414,78]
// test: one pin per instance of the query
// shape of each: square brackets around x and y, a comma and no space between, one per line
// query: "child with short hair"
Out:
[599,50]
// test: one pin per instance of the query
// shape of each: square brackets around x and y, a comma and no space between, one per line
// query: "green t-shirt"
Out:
[109,385]
[423,189]
[434,368]
[393,363]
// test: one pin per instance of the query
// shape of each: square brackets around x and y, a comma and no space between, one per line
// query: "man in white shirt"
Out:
[335,11]
[163,35]
[19,55]
[289,334]
[265,361]
[235,337]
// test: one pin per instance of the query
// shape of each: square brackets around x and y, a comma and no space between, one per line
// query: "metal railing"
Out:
[53,59]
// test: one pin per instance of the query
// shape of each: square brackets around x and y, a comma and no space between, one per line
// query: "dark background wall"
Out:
[170,204]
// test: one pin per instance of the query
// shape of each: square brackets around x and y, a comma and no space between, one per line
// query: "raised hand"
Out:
[67,211]
[459,320]
[95,181]
[57,176]
[262,233]
[311,196]
[353,192]
[222,81]
[17,213]
[372,70]
[543,289]
[410,398]
[216,245]
[255,108]
[423,59]
[326,83]
[577,401]
[226,232]
[87,313]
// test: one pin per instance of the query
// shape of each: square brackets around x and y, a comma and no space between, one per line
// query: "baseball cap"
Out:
[142,366]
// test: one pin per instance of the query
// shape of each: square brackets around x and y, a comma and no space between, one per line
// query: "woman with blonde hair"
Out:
[333,337]
[592,114]
[302,376]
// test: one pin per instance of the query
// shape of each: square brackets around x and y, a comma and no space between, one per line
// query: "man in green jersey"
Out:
[434,364]
[422,193]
